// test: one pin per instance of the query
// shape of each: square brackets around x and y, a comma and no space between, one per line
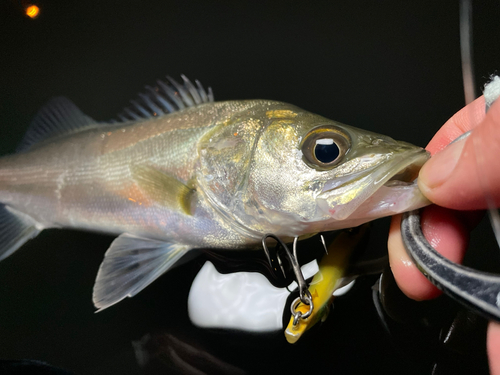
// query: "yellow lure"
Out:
[332,270]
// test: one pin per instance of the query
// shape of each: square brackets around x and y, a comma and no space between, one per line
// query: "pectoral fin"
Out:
[162,188]
[131,264]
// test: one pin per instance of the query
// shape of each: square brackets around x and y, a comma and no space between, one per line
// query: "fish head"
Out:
[293,172]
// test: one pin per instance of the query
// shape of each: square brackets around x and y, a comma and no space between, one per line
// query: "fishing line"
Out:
[466,50]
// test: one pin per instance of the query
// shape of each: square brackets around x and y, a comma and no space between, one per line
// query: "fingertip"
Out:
[439,168]
[461,175]
[461,122]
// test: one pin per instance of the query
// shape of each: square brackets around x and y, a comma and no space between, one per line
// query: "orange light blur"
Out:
[32,11]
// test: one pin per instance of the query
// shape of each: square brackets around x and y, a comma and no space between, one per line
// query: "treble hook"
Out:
[266,250]
[304,294]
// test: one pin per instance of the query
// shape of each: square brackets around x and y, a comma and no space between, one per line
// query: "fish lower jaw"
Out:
[383,194]
[393,199]
[386,201]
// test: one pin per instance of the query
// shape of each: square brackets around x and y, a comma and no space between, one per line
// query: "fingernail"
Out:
[440,167]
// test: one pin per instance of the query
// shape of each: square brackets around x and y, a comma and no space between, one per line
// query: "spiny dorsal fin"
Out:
[60,116]
[167,97]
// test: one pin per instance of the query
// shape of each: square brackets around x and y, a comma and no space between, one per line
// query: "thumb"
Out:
[466,172]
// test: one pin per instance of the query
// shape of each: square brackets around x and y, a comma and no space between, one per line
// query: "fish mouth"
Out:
[388,189]
[397,191]
[405,171]
[406,176]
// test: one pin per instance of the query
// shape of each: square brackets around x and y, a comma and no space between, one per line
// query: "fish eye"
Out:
[323,147]
[326,150]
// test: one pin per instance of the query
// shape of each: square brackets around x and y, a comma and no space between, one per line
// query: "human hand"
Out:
[451,180]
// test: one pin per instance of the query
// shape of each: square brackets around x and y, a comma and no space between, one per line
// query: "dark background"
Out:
[388,66]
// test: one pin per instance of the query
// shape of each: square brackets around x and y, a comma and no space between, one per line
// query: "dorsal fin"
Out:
[167,97]
[60,116]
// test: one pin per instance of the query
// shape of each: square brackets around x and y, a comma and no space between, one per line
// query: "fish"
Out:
[179,171]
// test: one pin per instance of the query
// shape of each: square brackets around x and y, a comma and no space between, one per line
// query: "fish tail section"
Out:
[131,264]
[15,229]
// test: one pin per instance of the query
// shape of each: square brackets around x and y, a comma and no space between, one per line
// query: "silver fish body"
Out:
[216,175]
[85,180]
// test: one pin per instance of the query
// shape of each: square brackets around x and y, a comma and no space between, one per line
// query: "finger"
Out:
[493,347]
[459,176]
[464,120]
[445,231]
[409,279]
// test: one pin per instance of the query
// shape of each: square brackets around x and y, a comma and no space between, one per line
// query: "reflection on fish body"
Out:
[208,175]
